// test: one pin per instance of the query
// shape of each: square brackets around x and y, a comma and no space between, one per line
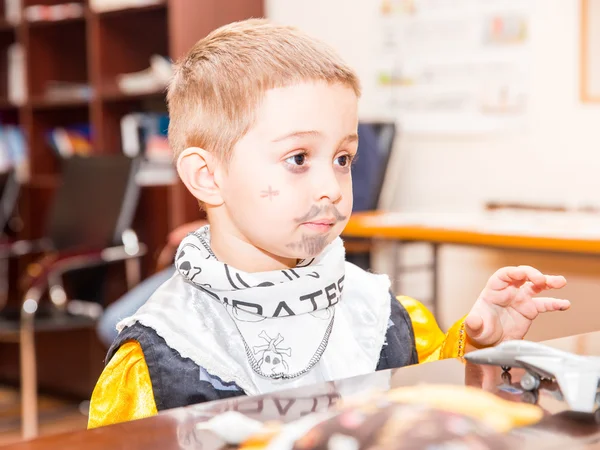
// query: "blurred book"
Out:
[12,11]
[152,79]
[17,92]
[113,5]
[145,135]
[71,140]
[13,151]
[65,90]
[152,173]
[41,13]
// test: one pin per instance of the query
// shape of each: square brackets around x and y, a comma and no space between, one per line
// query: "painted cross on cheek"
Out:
[270,193]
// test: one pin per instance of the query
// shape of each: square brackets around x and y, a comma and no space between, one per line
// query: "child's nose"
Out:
[328,186]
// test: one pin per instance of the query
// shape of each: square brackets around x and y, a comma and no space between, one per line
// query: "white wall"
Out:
[557,160]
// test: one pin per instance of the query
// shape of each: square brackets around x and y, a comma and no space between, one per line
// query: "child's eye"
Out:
[344,160]
[297,160]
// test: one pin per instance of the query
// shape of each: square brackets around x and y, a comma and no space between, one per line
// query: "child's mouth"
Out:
[320,226]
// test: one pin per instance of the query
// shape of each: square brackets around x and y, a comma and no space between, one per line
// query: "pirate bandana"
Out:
[324,319]
[284,317]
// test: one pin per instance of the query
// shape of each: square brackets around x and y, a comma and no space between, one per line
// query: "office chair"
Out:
[10,188]
[375,145]
[88,226]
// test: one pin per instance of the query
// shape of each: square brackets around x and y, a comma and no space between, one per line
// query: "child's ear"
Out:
[196,168]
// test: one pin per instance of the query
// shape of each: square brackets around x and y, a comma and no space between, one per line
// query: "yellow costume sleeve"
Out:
[432,343]
[124,390]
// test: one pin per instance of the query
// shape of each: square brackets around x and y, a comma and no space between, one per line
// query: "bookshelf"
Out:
[93,49]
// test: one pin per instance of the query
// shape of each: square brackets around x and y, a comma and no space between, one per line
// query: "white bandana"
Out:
[325,319]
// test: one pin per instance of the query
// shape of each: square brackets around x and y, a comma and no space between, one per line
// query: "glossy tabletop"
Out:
[175,429]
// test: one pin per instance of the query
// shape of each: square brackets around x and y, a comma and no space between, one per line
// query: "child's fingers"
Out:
[552,282]
[474,325]
[548,304]
[527,273]
[517,276]
[480,327]
[555,281]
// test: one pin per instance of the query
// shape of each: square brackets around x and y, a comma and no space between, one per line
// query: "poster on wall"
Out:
[590,51]
[454,66]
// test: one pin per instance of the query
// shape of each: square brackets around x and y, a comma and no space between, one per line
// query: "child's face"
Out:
[288,188]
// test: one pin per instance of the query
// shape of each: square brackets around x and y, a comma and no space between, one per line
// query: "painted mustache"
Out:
[316,211]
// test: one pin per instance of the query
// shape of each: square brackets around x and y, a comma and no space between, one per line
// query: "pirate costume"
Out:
[213,332]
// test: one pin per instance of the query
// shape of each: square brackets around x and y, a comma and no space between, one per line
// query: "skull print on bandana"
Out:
[272,359]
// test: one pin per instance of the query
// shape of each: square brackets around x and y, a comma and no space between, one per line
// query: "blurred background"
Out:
[480,127]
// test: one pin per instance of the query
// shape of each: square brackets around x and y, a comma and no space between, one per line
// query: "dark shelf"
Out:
[42,103]
[54,23]
[6,26]
[6,105]
[44,181]
[134,10]
[114,94]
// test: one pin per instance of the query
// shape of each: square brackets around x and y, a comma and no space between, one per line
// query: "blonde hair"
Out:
[219,84]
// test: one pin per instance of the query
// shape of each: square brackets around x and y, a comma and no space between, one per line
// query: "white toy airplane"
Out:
[577,376]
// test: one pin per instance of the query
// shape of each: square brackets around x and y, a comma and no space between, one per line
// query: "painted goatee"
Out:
[311,245]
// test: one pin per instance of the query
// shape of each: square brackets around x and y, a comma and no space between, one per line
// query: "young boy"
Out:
[263,123]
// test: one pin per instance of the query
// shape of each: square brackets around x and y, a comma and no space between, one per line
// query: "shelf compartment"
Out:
[125,46]
[132,10]
[44,160]
[47,52]
[54,23]
[112,93]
